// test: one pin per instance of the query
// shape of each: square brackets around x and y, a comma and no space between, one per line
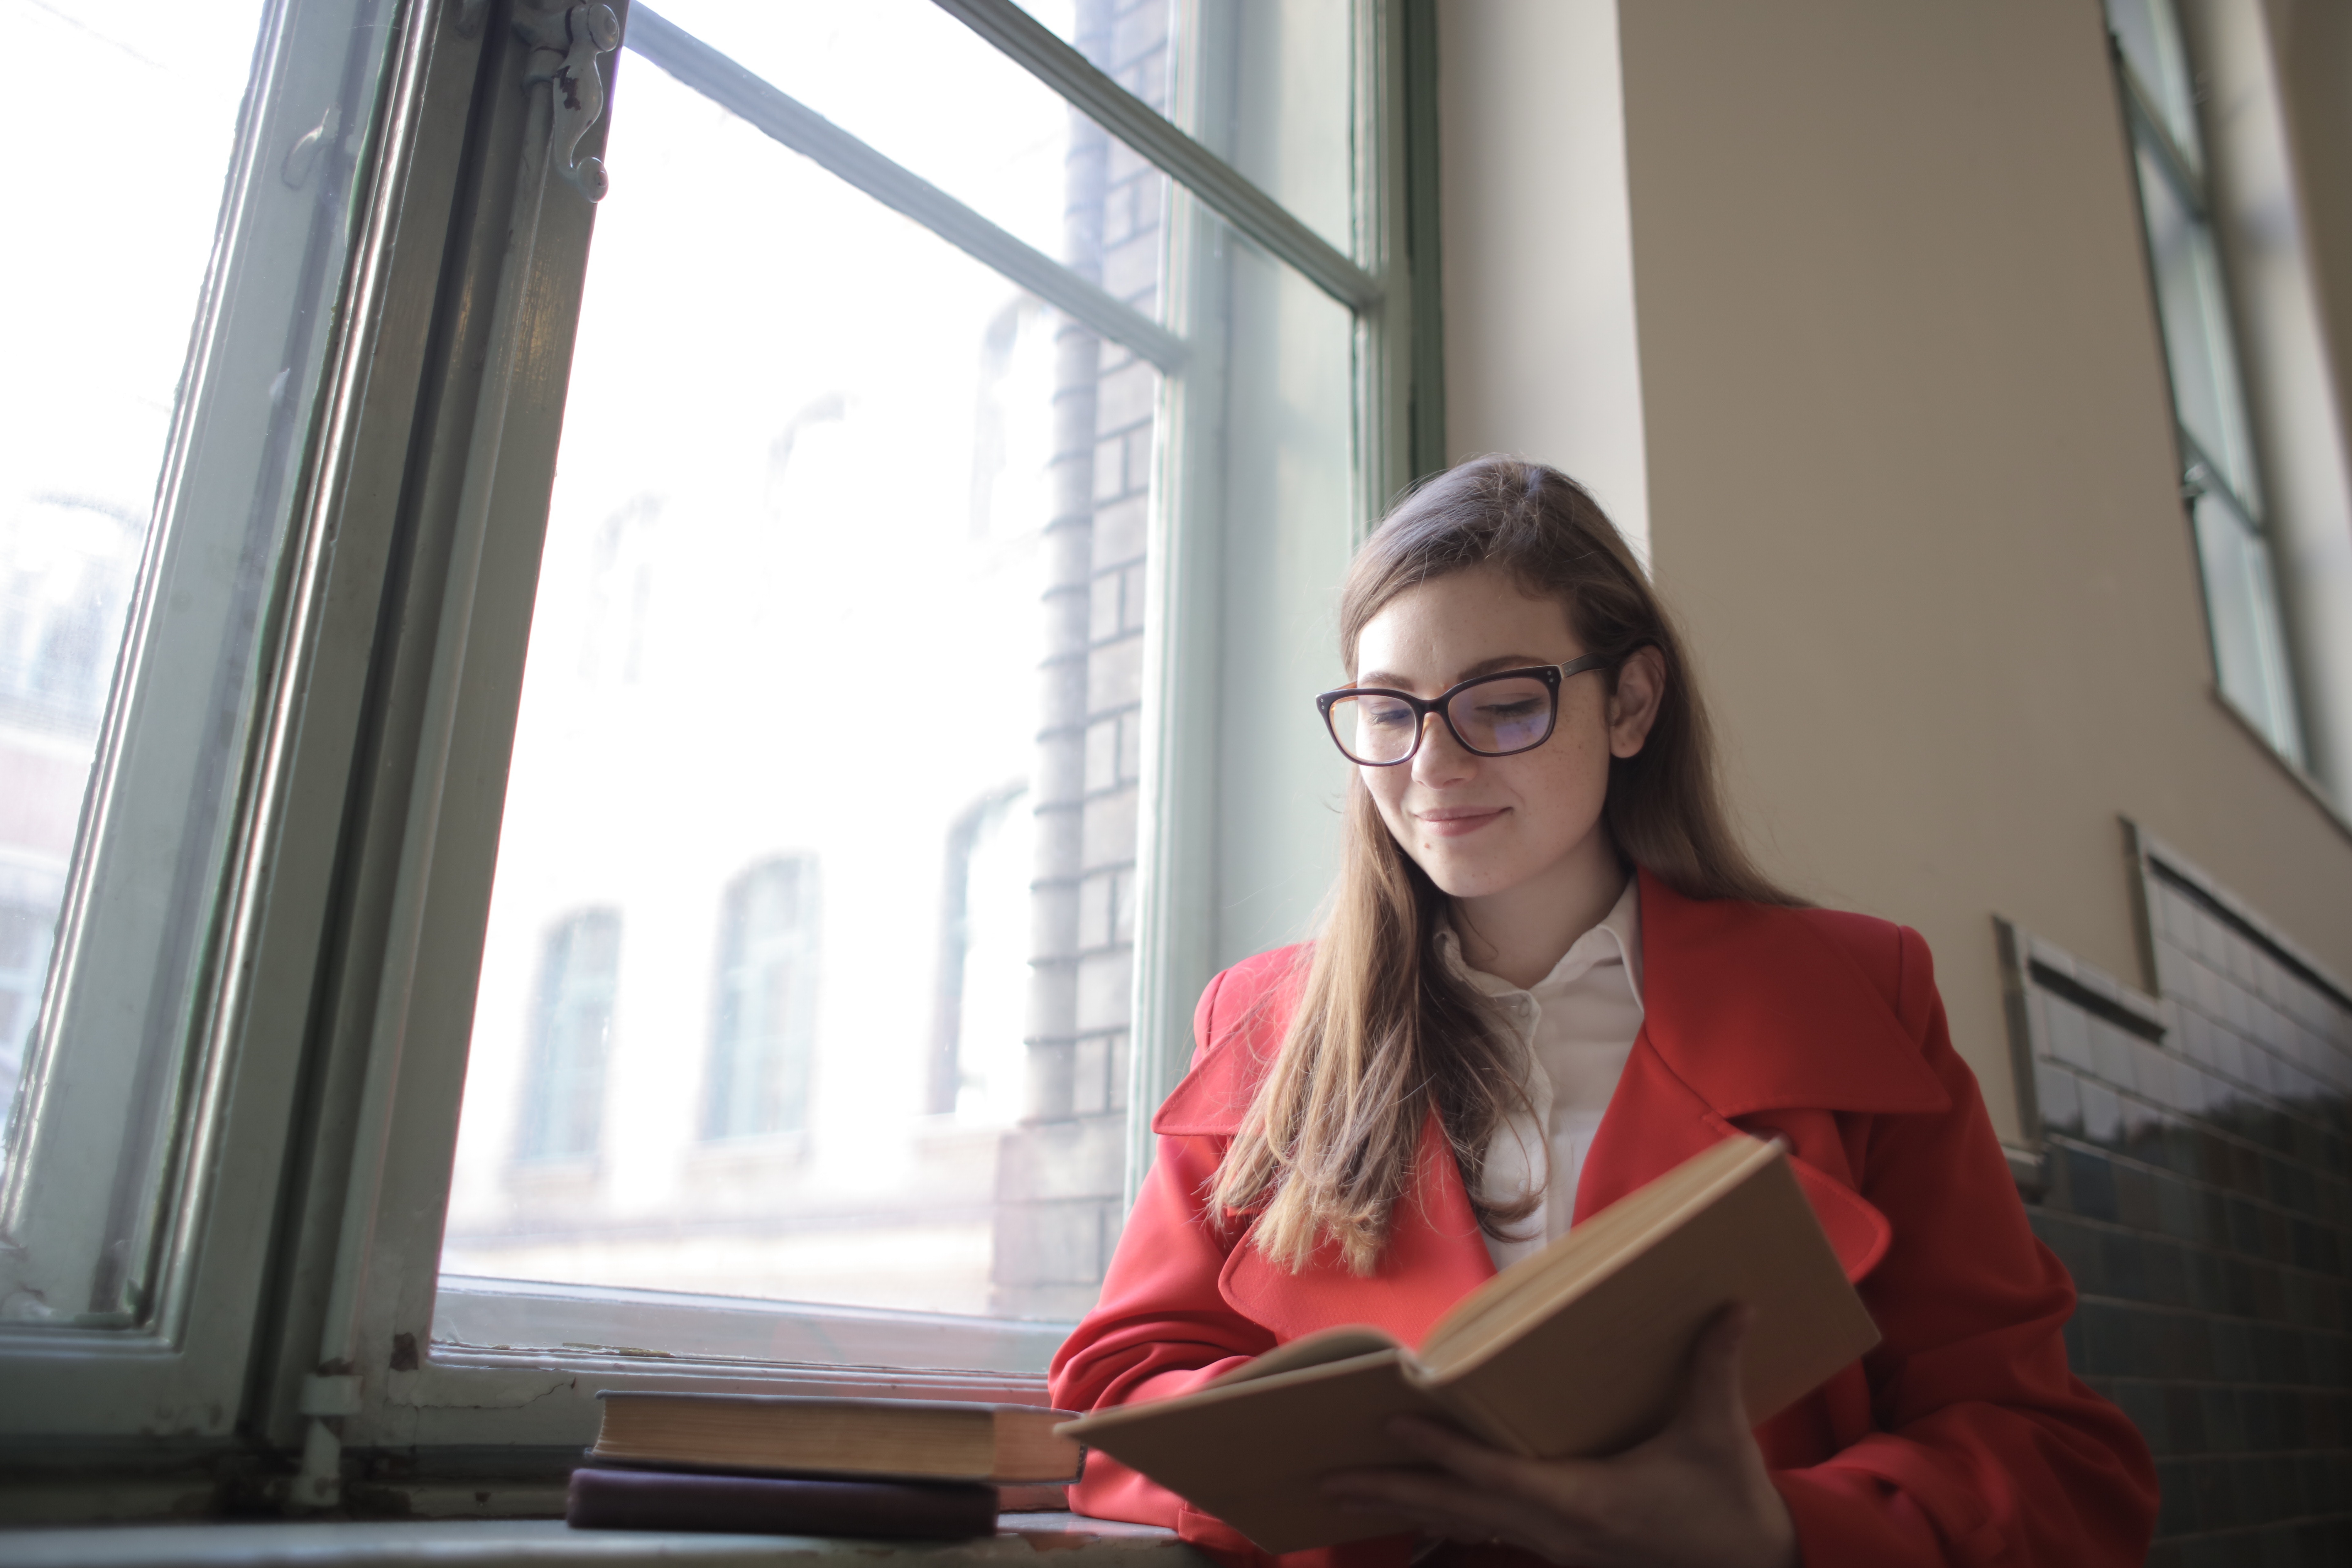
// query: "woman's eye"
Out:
[1387,715]
[1507,712]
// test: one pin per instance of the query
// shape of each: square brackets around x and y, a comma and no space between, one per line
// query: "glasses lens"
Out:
[1507,714]
[1374,729]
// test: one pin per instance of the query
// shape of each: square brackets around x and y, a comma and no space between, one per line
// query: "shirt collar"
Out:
[1616,940]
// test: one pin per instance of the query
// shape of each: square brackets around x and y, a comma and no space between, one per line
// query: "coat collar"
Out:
[1758,1008]
[1753,1008]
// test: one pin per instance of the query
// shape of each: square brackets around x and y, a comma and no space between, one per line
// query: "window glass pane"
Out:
[1277,101]
[2241,606]
[831,716]
[1289,532]
[834,708]
[918,86]
[1276,94]
[2196,336]
[146,489]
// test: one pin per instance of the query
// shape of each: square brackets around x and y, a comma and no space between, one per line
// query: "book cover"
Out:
[801,1435]
[610,1498]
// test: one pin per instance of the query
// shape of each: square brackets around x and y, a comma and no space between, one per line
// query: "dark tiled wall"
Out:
[2198,1159]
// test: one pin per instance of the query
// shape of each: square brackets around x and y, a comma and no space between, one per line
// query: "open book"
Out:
[1579,1350]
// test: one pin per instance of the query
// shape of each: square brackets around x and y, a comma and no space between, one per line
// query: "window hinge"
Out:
[575,35]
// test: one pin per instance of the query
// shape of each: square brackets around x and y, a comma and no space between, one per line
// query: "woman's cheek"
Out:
[1387,791]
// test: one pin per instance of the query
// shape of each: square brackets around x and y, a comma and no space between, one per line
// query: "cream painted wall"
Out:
[1540,357]
[1908,453]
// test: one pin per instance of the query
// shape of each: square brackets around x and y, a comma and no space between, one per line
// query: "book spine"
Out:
[603,1499]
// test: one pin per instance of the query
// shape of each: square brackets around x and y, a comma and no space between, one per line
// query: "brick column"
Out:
[1061,1173]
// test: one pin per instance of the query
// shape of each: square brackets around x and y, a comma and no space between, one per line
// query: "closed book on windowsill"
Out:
[900,1440]
[605,1497]
[1581,1350]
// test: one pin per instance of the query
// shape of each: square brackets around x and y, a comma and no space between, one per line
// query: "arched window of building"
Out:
[572,1038]
[763,1007]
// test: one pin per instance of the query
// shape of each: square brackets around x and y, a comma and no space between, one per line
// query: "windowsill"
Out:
[453,1543]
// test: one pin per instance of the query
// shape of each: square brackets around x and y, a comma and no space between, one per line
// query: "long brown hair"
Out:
[1383,1033]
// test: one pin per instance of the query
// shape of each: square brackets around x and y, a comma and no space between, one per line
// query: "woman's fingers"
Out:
[1442,1504]
[1556,1483]
[1697,1492]
[1713,1407]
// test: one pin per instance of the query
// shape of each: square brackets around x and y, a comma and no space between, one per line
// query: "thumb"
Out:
[1713,1406]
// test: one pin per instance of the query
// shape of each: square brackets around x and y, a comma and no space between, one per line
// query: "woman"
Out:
[1549,975]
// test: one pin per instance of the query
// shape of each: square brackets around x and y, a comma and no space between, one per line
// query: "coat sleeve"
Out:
[1160,1327]
[1981,1447]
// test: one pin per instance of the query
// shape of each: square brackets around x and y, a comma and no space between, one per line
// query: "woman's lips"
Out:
[1452,822]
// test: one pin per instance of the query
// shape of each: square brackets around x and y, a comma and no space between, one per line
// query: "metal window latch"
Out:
[575,35]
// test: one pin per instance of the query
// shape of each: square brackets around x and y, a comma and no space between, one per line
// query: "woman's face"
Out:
[1484,826]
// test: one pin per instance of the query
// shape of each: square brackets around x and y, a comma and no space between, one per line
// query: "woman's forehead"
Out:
[1464,623]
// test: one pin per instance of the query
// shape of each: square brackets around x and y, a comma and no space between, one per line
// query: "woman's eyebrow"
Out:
[1483,667]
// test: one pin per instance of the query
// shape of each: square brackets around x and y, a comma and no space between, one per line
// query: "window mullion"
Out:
[787,120]
[1034,47]
[2179,171]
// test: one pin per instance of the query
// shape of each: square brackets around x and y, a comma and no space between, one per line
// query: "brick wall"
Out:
[2196,1164]
[1061,1174]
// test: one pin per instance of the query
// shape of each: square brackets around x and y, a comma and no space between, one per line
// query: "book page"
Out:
[1534,1286]
[1604,1367]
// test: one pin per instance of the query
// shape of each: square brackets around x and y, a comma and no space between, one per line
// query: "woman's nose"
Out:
[1441,759]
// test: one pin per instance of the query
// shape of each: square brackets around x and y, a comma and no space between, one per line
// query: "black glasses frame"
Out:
[1551,675]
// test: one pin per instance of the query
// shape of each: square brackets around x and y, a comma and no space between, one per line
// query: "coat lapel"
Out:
[1760,1009]
[1656,1123]
[1433,1257]
[1757,1012]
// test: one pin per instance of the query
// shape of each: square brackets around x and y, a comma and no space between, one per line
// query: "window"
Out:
[851,547]
[162,510]
[66,579]
[683,764]
[2219,479]
[763,1011]
[976,1063]
[570,1038]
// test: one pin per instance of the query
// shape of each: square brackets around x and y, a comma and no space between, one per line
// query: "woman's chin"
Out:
[1466,877]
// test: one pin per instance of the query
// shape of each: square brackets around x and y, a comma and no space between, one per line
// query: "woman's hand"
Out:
[1696,1493]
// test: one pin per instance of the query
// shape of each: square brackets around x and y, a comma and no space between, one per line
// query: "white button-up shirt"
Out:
[1576,1027]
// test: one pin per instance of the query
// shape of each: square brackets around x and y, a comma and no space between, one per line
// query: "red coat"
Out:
[1961,1438]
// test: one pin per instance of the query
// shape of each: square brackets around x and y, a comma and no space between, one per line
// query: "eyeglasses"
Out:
[1492,716]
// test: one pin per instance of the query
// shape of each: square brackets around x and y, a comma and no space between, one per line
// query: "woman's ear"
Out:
[1633,706]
